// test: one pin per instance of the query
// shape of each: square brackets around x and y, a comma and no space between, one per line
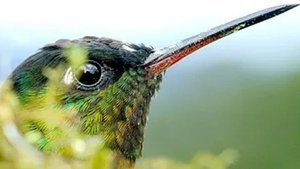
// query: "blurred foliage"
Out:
[16,152]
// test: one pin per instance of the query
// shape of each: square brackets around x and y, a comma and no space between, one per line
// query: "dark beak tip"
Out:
[292,6]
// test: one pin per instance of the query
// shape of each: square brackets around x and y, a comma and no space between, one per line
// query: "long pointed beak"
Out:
[163,58]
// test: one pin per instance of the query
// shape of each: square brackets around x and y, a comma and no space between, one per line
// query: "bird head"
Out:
[107,83]
[108,88]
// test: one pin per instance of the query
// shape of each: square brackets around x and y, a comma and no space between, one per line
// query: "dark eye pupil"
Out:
[89,74]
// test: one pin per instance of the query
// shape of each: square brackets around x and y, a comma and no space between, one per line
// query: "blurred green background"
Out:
[228,107]
[242,92]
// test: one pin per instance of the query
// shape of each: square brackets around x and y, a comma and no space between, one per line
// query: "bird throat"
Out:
[120,112]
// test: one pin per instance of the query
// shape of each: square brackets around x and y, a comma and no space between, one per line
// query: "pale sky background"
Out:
[28,25]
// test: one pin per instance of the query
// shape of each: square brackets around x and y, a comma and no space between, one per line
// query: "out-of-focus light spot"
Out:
[79,146]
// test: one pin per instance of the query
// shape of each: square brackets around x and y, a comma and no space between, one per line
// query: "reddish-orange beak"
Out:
[162,59]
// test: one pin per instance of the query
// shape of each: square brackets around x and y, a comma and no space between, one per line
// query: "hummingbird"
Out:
[110,90]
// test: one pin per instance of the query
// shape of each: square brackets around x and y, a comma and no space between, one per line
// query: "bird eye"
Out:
[88,74]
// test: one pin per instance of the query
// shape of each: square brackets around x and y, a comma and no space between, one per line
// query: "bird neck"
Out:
[120,114]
